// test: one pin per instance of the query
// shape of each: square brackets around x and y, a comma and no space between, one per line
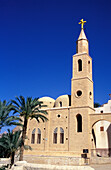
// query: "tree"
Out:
[10,143]
[96,105]
[5,119]
[28,108]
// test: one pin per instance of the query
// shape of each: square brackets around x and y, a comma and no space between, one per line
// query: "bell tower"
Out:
[81,83]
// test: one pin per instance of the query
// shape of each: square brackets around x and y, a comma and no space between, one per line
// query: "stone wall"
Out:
[56,160]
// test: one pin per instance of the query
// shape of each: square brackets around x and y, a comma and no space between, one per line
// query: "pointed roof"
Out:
[82,35]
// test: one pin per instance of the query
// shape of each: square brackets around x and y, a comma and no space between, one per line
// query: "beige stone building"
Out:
[74,127]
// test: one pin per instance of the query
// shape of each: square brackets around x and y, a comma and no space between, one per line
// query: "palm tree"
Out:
[5,119]
[28,108]
[10,143]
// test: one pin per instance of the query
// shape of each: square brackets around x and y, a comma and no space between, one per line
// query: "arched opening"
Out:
[60,104]
[79,123]
[55,135]
[79,65]
[101,138]
[33,137]
[39,136]
[61,135]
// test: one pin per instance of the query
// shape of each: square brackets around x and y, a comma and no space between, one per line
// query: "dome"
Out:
[47,101]
[63,101]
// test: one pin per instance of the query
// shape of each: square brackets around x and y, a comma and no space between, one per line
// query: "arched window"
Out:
[79,123]
[39,136]
[79,65]
[55,135]
[61,135]
[33,137]
[60,104]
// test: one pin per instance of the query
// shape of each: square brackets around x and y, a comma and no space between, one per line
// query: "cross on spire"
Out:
[82,23]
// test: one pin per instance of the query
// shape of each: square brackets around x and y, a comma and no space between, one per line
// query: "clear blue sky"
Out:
[38,39]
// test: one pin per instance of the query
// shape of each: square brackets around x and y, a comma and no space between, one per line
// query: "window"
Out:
[55,135]
[61,135]
[89,66]
[90,95]
[58,116]
[60,104]
[79,65]
[39,136]
[79,123]
[78,93]
[33,137]
[102,128]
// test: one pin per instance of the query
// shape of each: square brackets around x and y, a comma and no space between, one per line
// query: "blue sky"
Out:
[38,39]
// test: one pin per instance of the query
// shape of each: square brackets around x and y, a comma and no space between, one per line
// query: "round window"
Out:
[79,93]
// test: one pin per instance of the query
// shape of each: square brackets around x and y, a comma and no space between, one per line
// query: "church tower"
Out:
[82,84]
[81,97]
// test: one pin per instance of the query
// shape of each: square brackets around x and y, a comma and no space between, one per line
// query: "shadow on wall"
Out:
[109,139]
[94,137]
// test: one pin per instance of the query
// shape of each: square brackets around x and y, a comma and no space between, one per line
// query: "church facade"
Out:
[70,129]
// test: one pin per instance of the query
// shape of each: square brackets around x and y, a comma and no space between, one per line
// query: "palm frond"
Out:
[5,119]
[14,102]
[22,99]
[38,117]
[40,111]
[16,123]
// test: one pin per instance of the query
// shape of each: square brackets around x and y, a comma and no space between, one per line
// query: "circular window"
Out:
[58,116]
[79,93]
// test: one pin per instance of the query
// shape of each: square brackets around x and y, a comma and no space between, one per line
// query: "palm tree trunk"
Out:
[12,159]
[23,139]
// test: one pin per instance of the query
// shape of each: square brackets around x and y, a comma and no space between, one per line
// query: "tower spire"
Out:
[82,42]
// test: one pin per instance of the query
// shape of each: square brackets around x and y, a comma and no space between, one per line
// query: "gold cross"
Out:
[82,23]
